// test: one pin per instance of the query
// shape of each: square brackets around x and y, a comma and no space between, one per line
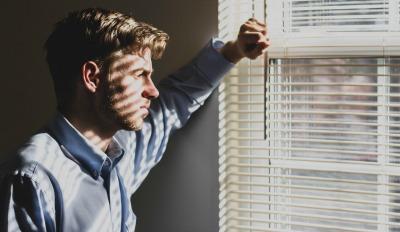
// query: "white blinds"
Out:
[337,27]
[310,142]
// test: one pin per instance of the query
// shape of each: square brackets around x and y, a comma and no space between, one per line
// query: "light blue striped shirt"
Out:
[59,181]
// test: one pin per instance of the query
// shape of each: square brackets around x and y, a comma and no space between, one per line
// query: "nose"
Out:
[150,90]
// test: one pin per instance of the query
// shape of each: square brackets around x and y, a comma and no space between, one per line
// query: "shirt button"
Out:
[107,163]
[95,173]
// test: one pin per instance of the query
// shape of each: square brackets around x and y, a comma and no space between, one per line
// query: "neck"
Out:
[92,128]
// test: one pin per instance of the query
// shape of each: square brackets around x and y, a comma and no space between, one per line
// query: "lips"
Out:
[146,105]
[145,109]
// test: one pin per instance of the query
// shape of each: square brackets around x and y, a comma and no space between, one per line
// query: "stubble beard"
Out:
[122,121]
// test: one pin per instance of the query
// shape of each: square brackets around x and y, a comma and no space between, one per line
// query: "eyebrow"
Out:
[141,69]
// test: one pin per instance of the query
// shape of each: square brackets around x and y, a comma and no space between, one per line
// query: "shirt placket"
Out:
[114,196]
[115,201]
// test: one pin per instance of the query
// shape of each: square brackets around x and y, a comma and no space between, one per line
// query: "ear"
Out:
[91,76]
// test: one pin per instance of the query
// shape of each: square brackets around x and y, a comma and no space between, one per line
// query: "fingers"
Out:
[254,25]
[253,38]
[256,52]
[251,42]
[255,21]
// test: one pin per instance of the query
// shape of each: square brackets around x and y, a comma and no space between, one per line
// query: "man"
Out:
[113,125]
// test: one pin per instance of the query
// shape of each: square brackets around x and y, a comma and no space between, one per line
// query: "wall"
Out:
[181,194]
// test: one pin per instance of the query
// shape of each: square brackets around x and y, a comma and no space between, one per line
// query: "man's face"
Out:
[128,90]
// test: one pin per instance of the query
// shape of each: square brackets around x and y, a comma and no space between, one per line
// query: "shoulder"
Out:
[38,146]
[29,160]
[28,163]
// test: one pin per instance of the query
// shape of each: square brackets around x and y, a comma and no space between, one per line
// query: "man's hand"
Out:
[251,42]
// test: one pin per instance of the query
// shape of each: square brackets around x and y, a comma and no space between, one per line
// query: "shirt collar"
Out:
[81,150]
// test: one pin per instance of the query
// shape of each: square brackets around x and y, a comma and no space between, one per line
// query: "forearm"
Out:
[187,89]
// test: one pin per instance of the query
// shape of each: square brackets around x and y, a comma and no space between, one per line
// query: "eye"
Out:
[141,74]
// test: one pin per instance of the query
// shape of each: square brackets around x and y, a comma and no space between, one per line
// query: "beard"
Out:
[127,123]
[127,118]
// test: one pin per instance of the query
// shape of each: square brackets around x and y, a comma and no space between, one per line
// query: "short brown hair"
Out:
[94,34]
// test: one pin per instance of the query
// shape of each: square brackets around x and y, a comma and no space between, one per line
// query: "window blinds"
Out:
[309,134]
[335,27]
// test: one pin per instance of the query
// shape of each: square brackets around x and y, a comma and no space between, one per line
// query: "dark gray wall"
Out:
[181,194]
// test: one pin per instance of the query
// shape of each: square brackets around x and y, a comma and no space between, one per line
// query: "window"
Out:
[310,134]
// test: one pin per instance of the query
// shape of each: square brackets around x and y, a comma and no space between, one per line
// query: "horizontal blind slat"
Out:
[308,197]
[338,219]
[318,207]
